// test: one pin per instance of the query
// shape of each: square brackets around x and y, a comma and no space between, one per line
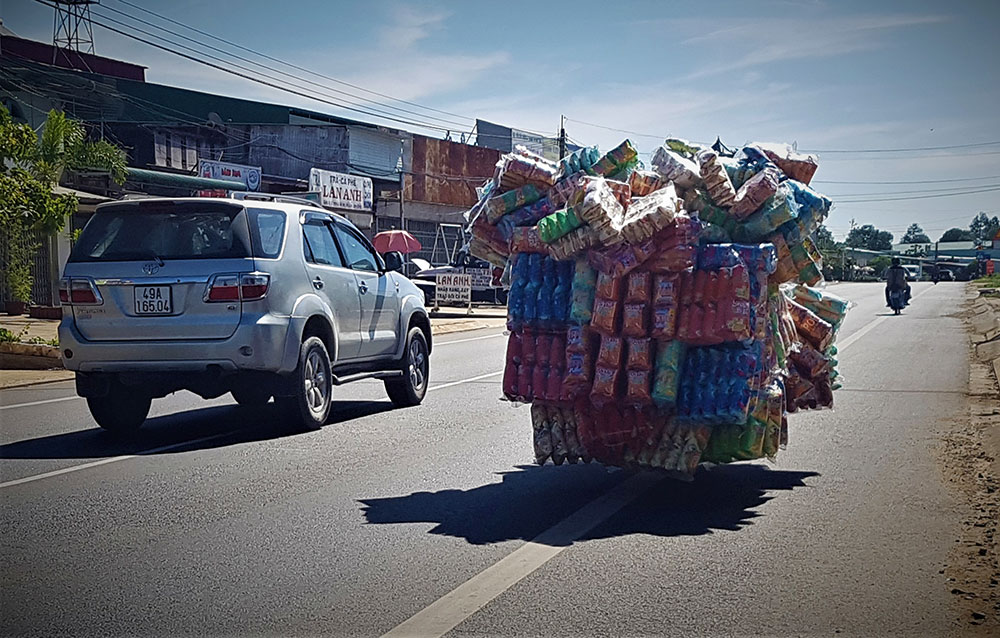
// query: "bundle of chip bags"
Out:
[639,332]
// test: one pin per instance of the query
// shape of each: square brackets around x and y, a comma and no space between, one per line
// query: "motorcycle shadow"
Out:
[530,499]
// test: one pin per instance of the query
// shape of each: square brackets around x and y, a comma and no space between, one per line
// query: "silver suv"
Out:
[261,297]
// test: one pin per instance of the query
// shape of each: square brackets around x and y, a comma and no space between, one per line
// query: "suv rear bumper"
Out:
[265,335]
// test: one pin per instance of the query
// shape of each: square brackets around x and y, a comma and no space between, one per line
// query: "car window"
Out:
[320,247]
[356,253]
[267,228]
[165,231]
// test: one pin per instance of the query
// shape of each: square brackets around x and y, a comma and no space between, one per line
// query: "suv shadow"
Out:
[205,428]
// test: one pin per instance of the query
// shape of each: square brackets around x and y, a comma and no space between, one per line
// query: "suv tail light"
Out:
[247,287]
[254,285]
[74,291]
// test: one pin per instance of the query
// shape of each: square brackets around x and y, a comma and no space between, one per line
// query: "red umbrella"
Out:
[398,240]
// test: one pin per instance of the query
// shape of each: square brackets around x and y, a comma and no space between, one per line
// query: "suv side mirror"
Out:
[393,261]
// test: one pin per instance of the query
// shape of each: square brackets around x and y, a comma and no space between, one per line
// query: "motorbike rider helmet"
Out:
[895,261]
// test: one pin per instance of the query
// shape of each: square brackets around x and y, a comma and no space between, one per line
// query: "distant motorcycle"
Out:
[897,300]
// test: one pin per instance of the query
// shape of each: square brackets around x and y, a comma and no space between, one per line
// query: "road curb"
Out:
[28,384]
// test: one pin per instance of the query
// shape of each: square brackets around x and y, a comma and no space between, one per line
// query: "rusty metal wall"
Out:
[446,172]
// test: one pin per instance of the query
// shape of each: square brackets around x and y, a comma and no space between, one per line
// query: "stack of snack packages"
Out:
[666,317]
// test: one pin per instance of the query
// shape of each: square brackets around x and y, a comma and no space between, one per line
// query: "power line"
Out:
[618,130]
[904,150]
[956,190]
[350,106]
[919,181]
[270,68]
[899,199]
[289,64]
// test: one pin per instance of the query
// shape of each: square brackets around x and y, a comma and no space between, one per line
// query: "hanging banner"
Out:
[248,175]
[340,190]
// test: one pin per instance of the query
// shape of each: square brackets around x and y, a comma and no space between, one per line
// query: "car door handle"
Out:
[318,283]
[363,287]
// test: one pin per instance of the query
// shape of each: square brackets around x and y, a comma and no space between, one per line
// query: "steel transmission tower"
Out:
[71,27]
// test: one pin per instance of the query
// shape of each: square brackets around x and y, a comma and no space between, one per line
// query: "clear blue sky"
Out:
[827,75]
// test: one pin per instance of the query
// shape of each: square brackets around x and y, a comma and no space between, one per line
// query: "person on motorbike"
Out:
[895,279]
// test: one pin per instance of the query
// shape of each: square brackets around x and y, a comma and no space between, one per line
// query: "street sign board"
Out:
[453,289]
[341,191]
[248,175]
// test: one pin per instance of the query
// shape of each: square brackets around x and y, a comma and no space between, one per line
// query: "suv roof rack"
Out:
[269,197]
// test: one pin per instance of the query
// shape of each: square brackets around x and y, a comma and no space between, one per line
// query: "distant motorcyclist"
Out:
[895,279]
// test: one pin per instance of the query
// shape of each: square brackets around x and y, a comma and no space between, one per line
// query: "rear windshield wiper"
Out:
[132,254]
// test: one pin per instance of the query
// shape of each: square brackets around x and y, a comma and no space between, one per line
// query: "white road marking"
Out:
[165,448]
[448,343]
[450,610]
[31,403]
[114,459]
[469,380]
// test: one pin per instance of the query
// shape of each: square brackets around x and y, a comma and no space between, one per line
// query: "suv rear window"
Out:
[166,230]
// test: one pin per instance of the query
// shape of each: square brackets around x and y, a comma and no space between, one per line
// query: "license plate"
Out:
[153,300]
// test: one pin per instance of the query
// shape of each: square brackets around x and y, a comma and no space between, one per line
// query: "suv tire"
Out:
[312,381]
[409,390]
[122,410]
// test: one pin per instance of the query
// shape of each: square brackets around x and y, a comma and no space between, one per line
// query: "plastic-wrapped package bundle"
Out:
[667,372]
[583,292]
[562,191]
[776,211]
[623,258]
[754,192]
[500,205]
[524,167]
[526,216]
[827,306]
[810,327]
[615,159]
[797,166]
[601,210]
[526,239]
[574,243]
[580,160]
[558,224]
[676,168]
[713,173]
[643,182]
[646,216]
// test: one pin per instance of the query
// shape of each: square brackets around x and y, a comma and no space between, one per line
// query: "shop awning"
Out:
[176,180]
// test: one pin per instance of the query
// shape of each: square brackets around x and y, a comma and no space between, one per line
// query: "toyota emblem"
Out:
[150,269]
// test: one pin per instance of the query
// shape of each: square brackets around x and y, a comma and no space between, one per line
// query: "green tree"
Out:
[956,234]
[983,227]
[30,165]
[869,238]
[879,264]
[915,235]
[824,238]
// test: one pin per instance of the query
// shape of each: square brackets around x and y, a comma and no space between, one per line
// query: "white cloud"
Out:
[770,40]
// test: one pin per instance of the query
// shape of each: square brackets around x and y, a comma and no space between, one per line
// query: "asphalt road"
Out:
[215,521]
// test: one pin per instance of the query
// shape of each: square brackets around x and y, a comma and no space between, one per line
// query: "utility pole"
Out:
[562,136]
[402,188]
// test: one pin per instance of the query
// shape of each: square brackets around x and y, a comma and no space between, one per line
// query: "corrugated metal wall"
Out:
[446,172]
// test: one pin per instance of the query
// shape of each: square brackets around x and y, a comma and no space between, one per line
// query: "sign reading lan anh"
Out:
[453,289]
[340,190]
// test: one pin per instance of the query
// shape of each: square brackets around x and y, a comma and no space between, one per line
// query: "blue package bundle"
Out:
[810,201]
[718,383]
[561,293]
[534,282]
[520,275]
[545,291]
[716,256]
[525,216]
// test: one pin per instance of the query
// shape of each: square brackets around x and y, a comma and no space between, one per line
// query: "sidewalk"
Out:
[20,368]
